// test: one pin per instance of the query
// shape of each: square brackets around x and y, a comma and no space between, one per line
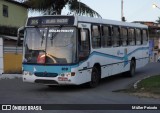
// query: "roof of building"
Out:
[152,25]
[17,3]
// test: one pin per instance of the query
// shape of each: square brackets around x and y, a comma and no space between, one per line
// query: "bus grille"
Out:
[45,74]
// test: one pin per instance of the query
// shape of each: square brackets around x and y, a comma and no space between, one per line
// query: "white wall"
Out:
[1,55]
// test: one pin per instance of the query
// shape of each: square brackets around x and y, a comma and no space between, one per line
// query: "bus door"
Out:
[84,48]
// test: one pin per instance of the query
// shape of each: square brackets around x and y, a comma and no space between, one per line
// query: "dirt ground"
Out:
[146,94]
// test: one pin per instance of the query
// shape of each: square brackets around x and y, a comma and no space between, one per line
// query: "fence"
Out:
[12,59]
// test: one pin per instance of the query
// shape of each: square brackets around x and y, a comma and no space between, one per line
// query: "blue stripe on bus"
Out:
[49,69]
[58,69]
[105,55]
[142,48]
[124,58]
[116,57]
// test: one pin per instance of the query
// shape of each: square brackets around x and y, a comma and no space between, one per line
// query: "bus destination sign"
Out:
[50,20]
[55,21]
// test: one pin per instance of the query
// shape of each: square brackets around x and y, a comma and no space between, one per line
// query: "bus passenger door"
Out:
[83,44]
[84,52]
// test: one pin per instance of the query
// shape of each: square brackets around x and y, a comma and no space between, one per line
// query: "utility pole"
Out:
[122,13]
[79,7]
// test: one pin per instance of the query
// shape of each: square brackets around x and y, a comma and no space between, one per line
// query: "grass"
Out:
[150,85]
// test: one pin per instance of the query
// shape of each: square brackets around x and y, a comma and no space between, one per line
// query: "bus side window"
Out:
[84,45]
[138,37]
[116,36]
[144,36]
[124,35]
[131,36]
[106,36]
[96,38]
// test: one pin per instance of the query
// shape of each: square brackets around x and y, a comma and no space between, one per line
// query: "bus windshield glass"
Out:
[50,45]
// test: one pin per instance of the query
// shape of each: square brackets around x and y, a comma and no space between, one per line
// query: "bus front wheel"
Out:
[95,78]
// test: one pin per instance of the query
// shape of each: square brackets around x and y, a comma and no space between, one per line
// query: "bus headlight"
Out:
[65,74]
[27,73]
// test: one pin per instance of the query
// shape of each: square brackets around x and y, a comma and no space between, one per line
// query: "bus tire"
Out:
[95,78]
[132,68]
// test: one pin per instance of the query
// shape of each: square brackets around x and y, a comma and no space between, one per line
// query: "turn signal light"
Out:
[73,73]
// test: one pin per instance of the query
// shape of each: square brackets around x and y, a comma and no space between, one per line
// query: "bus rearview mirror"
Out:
[20,35]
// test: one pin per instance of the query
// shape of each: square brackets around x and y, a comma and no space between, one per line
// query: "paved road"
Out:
[14,91]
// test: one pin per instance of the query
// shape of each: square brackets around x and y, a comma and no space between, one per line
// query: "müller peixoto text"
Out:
[144,107]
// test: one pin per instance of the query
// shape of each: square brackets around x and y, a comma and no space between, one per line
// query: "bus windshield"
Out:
[50,45]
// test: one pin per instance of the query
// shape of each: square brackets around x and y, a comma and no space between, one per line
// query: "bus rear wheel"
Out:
[95,78]
[132,69]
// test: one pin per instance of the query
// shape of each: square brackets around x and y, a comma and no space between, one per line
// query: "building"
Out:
[154,32]
[154,35]
[13,15]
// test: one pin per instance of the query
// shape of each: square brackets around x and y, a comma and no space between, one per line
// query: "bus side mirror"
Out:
[20,36]
[83,36]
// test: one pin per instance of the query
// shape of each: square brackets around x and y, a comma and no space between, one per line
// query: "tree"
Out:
[158,21]
[54,7]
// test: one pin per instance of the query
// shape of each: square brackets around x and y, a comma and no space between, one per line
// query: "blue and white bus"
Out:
[72,50]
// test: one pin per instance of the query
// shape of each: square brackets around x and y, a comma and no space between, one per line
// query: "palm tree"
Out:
[54,7]
[158,21]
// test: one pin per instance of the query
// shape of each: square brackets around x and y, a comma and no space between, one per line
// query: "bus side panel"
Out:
[115,60]
[83,73]
[106,71]
[146,55]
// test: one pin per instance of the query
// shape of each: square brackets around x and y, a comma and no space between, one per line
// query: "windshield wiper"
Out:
[42,35]
[42,38]
[55,34]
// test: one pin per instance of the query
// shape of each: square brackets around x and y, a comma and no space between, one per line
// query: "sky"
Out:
[134,10]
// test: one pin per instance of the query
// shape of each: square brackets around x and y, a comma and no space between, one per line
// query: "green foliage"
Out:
[54,7]
[158,21]
[83,10]
[151,84]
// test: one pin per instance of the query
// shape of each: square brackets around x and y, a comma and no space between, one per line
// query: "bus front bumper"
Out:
[59,80]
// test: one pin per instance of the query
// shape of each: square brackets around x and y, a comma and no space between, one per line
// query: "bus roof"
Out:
[109,22]
[85,19]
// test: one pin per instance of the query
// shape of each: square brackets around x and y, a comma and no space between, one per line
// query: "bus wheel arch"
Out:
[95,75]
